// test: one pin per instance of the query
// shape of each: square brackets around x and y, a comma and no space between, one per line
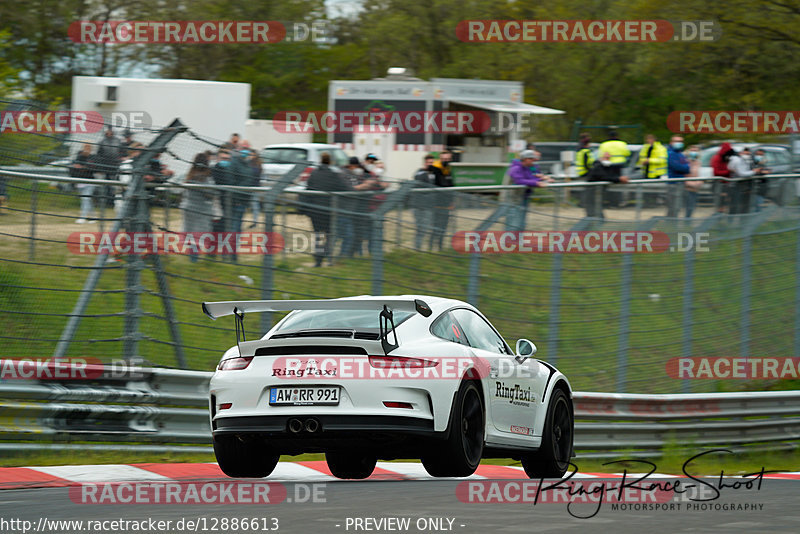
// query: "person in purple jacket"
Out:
[523,171]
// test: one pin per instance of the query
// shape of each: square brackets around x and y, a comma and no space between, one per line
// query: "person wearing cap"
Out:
[523,171]
[371,165]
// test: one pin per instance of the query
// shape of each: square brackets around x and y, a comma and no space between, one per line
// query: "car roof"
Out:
[436,304]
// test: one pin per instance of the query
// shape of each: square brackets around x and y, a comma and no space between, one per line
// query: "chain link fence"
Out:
[610,321]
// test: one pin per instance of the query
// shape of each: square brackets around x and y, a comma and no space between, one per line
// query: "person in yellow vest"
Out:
[617,150]
[583,157]
[618,153]
[653,158]
[653,161]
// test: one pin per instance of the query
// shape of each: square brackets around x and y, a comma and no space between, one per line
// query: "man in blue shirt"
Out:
[677,167]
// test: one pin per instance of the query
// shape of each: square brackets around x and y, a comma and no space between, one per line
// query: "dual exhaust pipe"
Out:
[311,425]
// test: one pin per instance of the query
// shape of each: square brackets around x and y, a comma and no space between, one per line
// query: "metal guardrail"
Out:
[155,409]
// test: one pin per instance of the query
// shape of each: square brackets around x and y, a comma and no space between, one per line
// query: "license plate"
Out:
[304,396]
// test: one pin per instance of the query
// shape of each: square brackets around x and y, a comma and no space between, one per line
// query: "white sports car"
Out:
[367,378]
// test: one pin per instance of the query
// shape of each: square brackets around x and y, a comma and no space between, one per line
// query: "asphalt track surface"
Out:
[777,499]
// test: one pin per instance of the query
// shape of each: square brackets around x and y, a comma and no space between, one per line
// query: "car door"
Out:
[514,388]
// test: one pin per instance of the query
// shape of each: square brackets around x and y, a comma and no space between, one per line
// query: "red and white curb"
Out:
[315,471]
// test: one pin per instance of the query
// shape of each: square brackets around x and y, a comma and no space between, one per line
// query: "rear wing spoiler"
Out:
[238,307]
[385,307]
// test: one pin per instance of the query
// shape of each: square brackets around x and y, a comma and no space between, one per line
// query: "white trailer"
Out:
[213,110]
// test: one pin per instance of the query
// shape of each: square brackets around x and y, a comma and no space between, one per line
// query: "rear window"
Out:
[338,157]
[349,319]
[284,155]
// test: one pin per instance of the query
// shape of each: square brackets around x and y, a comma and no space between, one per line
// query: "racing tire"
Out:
[461,453]
[552,459]
[244,459]
[350,466]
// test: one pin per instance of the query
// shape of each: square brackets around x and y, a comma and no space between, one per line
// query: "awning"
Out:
[508,107]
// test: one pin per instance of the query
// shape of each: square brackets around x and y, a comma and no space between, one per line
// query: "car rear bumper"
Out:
[392,435]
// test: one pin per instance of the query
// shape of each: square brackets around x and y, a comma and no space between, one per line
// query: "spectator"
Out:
[254,162]
[619,153]
[234,142]
[523,171]
[125,175]
[126,144]
[677,167]
[364,180]
[653,161]
[423,202]
[741,189]
[653,158]
[693,187]
[443,202]
[719,166]
[603,170]
[369,163]
[323,178]
[157,172]
[82,167]
[197,203]
[221,175]
[762,184]
[617,150]
[242,176]
[353,222]
[110,153]
[583,157]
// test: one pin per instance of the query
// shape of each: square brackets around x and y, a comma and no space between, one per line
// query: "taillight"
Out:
[395,404]
[303,178]
[225,406]
[234,364]
[400,362]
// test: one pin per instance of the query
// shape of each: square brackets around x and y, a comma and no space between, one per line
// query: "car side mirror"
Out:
[525,348]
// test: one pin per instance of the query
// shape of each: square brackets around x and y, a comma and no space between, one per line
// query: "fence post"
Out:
[747,263]
[554,315]
[133,275]
[34,203]
[376,251]
[625,313]
[797,298]
[688,296]
[130,204]
[473,281]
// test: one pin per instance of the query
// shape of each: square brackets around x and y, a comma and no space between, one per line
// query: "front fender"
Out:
[556,378]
